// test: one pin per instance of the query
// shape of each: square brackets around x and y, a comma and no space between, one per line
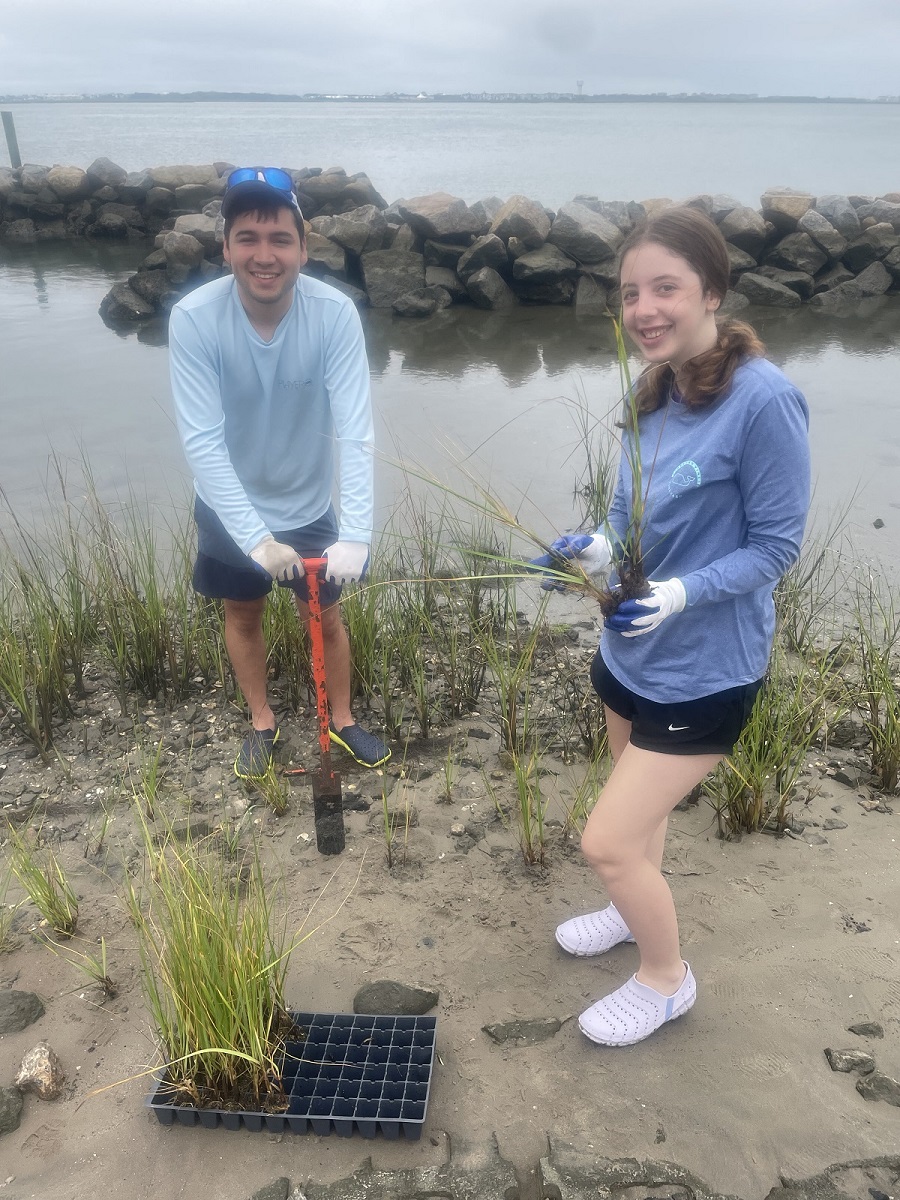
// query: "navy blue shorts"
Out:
[708,725]
[223,572]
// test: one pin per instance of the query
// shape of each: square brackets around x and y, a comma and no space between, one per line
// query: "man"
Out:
[269,370]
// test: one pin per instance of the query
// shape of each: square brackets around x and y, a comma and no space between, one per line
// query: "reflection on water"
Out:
[503,388]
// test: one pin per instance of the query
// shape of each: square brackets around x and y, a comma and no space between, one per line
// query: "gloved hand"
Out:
[277,559]
[592,551]
[634,617]
[347,562]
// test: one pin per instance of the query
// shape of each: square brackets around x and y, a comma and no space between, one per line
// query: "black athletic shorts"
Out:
[708,725]
[223,572]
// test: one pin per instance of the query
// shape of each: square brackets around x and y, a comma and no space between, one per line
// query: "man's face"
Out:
[266,255]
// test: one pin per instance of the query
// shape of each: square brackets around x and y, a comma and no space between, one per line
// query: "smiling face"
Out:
[667,311]
[266,254]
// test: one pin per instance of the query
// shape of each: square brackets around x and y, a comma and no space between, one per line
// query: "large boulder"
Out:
[422,302]
[400,237]
[585,235]
[873,243]
[488,290]
[104,173]
[360,191]
[486,251]
[590,297]
[441,216]
[522,218]
[202,229]
[387,274]
[184,253]
[18,1010]
[784,207]
[486,210]
[841,213]
[744,228]
[360,230]
[7,182]
[444,254]
[739,260]
[447,279]
[174,177]
[769,292]
[881,210]
[799,281]
[32,178]
[875,280]
[122,306]
[10,1109]
[545,291]
[21,232]
[797,252]
[546,263]
[621,213]
[325,257]
[68,183]
[160,201]
[826,280]
[109,225]
[156,288]
[721,204]
[823,233]
[193,196]
[892,263]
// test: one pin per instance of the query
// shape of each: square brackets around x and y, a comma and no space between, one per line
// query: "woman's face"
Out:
[666,310]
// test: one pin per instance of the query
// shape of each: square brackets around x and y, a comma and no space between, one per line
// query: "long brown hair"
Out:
[691,235]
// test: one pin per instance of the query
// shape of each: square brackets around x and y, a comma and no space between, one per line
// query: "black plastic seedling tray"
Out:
[350,1074]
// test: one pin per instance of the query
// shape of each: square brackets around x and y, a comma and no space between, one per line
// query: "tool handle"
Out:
[317,565]
[311,567]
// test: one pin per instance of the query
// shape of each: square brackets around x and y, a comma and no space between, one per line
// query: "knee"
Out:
[604,854]
[332,625]
[244,617]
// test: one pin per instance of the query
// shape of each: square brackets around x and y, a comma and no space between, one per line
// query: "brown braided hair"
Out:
[691,235]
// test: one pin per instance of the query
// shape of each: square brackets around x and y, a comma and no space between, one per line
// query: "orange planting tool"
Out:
[326,783]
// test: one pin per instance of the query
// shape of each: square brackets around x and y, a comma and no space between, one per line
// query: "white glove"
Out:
[634,617]
[596,556]
[347,562]
[276,559]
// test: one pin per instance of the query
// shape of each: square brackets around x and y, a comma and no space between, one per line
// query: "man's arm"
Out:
[347,383]
[201,424]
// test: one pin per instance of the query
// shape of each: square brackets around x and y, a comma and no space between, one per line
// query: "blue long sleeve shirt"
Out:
[727,492]
[260,421]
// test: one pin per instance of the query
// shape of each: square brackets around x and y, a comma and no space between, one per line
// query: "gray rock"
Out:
[386,997]
[156,288]
[18,1010]
[422,302]
[545,291]
[892,262]
[33,178]
[175,176]
[841,213]
[873,243]
[739,260]
[357,295]
[881,210]
[121,305]
[325,257]
[733,303]
[850,1060]
[526,1033]
[110,225]
[799,281]
[870,1029]
[784,207]
[104,173]
[590,297]
[360,230]
[7,182]
[570,1174]
[797,252]
[486,210]
[879,1087]
[203,229]
[155,261]
[444,254]
[548,262]
[277,1190]
[441,215]
[21,232]
[585,235]
[760,290]
[41,1072]
[826,280]
[487,251]
[624,215]
[823,233]
[447,279]
[10,1109]
[744,228]
[68,182]
[401,237]
[522,218]
[194,195]
[387,274]
[832,823]
[360,191]
[160,201]
[875,280]
[488,290]
[849,776]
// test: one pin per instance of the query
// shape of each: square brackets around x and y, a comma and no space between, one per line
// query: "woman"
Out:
[725,472]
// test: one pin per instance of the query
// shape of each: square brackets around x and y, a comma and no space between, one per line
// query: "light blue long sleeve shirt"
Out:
[259,421]
[726,502]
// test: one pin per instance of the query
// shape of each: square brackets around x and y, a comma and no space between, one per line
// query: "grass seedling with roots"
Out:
[7,911]
[94,966]
[877,694]
[41,874]
[530,808]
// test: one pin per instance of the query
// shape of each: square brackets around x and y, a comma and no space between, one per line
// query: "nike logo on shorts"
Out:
[677,728]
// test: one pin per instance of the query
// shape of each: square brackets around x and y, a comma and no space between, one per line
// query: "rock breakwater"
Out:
[423,254]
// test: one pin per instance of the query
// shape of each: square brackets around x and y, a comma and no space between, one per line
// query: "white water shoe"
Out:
[594,933]
[634,1011]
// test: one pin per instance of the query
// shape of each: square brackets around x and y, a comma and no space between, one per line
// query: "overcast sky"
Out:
[789,47]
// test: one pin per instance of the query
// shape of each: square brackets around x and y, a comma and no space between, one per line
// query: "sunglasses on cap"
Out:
[274,177]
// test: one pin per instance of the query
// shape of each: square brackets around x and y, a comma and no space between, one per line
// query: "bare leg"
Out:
[619,732]
[621,833]
[247,651]
[337,661]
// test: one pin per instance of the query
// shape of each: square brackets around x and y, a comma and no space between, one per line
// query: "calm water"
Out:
[465,382]
[551,152]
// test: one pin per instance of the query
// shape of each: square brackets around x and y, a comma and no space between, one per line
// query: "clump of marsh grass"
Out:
[89,963]
[46,884]
[7,911]
[530,808]
[877,693]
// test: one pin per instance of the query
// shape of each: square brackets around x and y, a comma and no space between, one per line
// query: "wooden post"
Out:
[12,145]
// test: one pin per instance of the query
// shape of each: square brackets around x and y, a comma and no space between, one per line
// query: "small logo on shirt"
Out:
[678,728]
[685,476]
[293,385]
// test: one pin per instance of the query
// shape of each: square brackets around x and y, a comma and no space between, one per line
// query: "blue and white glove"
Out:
[634,617]
[347,562]
[277,559]
[592,551]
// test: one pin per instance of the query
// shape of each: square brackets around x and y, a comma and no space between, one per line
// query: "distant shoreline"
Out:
[439,98]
